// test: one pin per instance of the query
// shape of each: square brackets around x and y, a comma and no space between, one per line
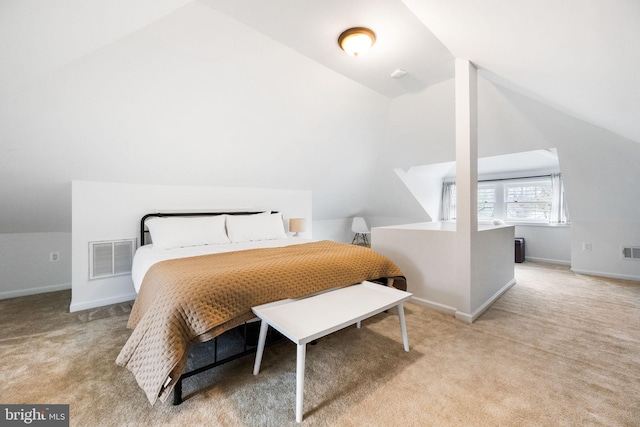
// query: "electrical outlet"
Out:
[54,256]
[586,246]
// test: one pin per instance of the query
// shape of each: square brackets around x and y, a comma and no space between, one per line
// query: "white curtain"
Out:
[448,203]
[559,209]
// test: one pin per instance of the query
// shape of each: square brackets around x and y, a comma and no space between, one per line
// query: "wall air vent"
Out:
[110,258]
[631,252]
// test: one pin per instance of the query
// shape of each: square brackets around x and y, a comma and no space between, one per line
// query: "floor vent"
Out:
[631,252]
[110,258]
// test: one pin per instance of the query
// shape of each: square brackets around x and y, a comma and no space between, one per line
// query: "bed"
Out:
[203,272]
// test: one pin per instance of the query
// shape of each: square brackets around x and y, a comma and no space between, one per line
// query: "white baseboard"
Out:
[472,317]
[547,260]
[465,317]
[86,305]
[608,275]
[434,305]
[34,291]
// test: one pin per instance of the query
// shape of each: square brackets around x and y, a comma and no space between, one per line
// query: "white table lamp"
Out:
[297,225]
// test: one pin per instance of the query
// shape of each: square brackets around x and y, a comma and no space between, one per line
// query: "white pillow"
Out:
[247,228]
[176,232]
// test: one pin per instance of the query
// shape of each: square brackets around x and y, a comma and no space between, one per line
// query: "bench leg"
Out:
[302,352]
[264,326]
[403,327]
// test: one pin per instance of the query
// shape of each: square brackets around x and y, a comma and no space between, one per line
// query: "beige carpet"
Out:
[558,349]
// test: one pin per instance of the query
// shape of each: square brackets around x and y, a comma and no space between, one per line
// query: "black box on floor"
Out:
[519,249]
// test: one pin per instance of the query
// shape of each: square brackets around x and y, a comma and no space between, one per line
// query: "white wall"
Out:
[591,158]
[112,211]
[419,129]
[427,254]
[425,184]
[551,244]
[493,269]
[195,98]
[604,203]
[427,259]
[599,171]
[25,266]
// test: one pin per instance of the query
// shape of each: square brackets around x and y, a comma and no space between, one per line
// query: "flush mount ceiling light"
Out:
[356,41]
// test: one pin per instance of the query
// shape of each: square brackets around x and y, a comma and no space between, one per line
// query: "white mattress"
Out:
[146,255]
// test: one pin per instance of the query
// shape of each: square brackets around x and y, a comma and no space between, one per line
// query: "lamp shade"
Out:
[297,225]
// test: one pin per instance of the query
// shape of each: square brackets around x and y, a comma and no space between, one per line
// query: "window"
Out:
[486,201]
[528,201]
[533,200]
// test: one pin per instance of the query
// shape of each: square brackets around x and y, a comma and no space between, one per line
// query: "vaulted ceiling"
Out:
[580,57]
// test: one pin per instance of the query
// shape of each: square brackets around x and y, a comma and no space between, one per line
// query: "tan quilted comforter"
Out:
[198,298]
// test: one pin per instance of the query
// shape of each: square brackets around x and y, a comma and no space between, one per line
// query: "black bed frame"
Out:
[273,337]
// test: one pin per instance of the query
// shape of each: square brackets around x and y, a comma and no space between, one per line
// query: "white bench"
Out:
[307,319]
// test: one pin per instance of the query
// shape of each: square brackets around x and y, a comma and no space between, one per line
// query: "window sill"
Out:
[534,224]
[528,224]
[520,224]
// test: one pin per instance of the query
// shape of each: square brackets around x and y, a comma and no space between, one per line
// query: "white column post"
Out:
[466,98]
